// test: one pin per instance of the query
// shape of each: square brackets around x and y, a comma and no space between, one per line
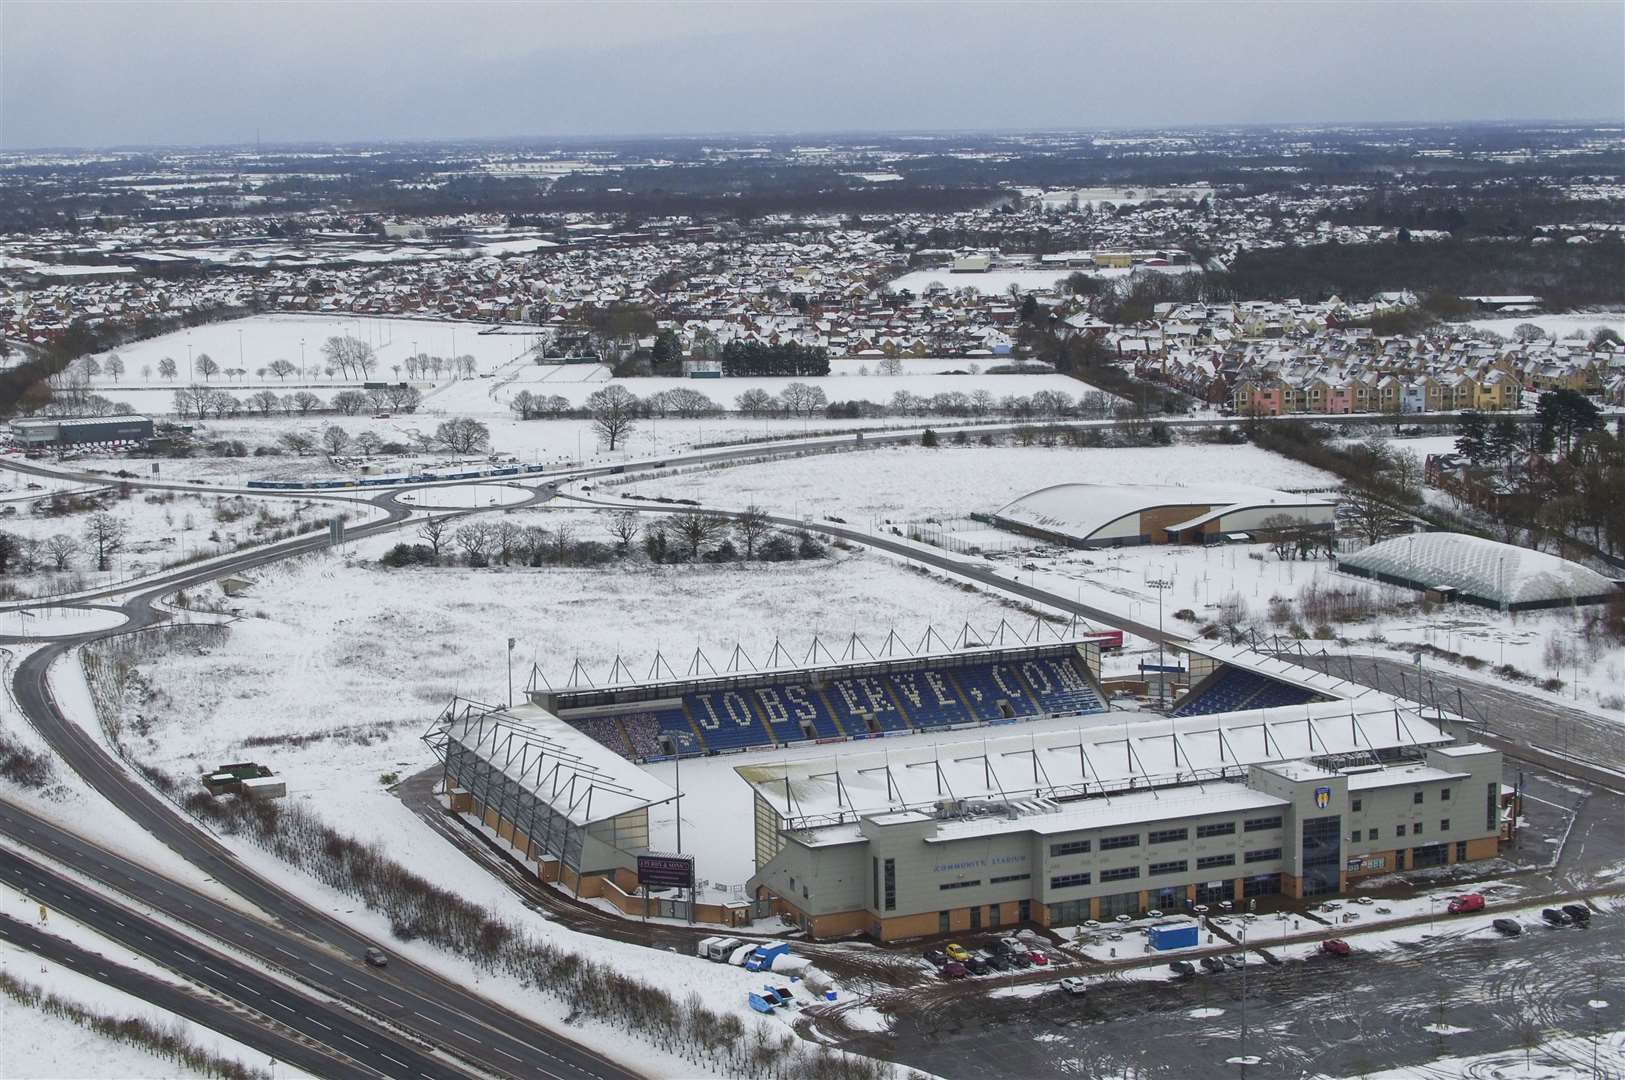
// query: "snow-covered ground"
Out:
[999,281]
[1560,325]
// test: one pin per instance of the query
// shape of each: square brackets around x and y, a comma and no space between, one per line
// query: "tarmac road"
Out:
[354,1045]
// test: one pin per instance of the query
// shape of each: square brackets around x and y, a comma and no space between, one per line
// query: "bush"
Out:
[808,547]
[776,548]
[408,555]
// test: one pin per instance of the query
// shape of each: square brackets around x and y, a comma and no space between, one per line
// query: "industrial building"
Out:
[1117,515]
[1455,566]
[109,431]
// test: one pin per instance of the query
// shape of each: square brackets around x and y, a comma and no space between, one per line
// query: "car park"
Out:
[1182,967]
[1038,958]
[1212,963]
[1235,960]
[1509,927]
[936,956]
[1578,912]
[957,952]
[1557,916]
[1462,904]
[998,962]
[977,965]
[1074,986]
[1335,947]
[953,969]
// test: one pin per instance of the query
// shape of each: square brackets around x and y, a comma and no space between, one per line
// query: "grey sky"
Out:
[95,74]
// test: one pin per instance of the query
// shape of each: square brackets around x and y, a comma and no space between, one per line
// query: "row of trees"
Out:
[203,402]
[459,435]
[104,536]
[760,358]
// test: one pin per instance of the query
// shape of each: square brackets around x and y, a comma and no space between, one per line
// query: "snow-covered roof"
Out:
[1483,569]
[1081,510]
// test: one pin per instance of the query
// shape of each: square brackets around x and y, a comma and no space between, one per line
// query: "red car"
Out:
[1335,947]
[1038,958]
[954,970]
[1470,902]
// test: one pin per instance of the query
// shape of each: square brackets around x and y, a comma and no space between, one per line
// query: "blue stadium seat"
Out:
[854,699]
[1237,688]
[795,711]
[1061,689]
[646,730]
[994,693]
[929,699]
[726,720]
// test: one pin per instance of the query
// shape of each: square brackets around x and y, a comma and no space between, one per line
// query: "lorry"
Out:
[702,948]
[764,955]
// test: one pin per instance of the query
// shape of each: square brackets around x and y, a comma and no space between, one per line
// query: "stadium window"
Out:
[1168,836]
[945,886]
[1259,824]
[891,884]
[875,877]
[1416,830]
[1127,840]
[1444,824]
[1122,873]
[1399,830]
[1416,797]
[1354,837]
[1461,851]
[1177,866]
[1444,794]
[1070,881]
[1070,847]
[1264,855]
[1221,828]
[1007,878]
[1213,862]
[1371,834]
[1354,806]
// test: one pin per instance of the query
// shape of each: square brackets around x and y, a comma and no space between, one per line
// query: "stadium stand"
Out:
[993,692]
[607,731]
[929,699]
[864,706]
[1060,687]
[1236,688]
[796,712]
[726,720]
[642,732]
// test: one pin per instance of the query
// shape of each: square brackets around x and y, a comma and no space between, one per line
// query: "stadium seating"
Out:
[790,707]
[1059,686]
[606,730]
[675,726]
[994,693]
[642,732]
[1234,689]
[865,695]
[929,699]
[727,720]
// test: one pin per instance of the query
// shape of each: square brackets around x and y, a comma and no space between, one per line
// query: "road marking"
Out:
[318,1023]
[250,989]
[397,1061]
[353,983]
[504,1053]
[392,1001]
[470,1038]
[431,1019]
[279,1005]
[285,952]
[319,968]
[222,974]
[358,1042]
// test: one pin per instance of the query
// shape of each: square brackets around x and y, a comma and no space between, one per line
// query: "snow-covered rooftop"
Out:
[1081,510]
[1483,569]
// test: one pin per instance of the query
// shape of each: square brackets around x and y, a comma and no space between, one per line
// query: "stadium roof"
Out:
[1483,570]
[1081,510]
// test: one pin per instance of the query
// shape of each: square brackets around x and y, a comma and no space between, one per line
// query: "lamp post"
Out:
[1251,906]
[302,376]
[511,642]
[1160,584]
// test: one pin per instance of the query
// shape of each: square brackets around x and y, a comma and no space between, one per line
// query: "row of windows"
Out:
[1071,847]
[1178,866]
[1007,878]
[1221,828]
[1211,862]
[1122,873]
[1109,843]
[1161,836]
[1168,836]
[959,885]
[1264,855]
[1416,830]
[1068,881]
[1259,824]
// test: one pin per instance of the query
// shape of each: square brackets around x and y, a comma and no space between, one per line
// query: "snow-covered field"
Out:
[912,483]
[1560,325]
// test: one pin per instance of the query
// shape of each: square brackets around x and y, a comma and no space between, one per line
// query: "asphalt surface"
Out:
[354,1045]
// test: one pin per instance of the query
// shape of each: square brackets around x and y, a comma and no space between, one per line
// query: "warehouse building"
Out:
[1116,515]
[1063,827]
[109,431]
[1455,566]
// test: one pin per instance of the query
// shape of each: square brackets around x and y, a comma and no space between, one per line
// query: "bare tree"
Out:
[354,357]
[368,443]
[475,539]
[305,401]
[61,548]
[695,530]
[510,539]
[1371,519]
[802,398]
[433,533]
[524,403]
[206,366]
[755,402]
[614,413]
[300,442]
[282,368]
[463,435]
[264,402]
[106,534]
[624,527]
[751,526]
[166,368]
[115,366]
[334,440]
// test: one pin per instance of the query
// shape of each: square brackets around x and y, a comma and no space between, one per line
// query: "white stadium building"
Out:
[1117,515]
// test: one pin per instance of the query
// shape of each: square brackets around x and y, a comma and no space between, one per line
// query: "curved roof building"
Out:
[1113,515]
[1480,571]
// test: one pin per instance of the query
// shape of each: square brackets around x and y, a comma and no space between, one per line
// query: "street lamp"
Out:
[302,376]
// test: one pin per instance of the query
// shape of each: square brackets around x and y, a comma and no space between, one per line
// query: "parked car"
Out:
[1235,960]
[1509,927]
[1335,947]
[998,962]
[1038,958]
[1578,912]
[1557,916]
[1012,945]
[1470,902]
[376,958]
[936,956]
[953,969]
[1212,963]
[1018,960]
[1182,967]
[1074,986]
[977,965]
[957,952]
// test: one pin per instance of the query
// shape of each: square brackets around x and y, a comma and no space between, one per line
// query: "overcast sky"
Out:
[93,74]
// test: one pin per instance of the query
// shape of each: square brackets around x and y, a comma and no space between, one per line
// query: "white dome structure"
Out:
[1480,571]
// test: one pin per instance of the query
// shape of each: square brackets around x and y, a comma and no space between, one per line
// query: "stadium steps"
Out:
[626,739]
[699,736]
[834,716]
[897,703]
[1194,694]
[758,710]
